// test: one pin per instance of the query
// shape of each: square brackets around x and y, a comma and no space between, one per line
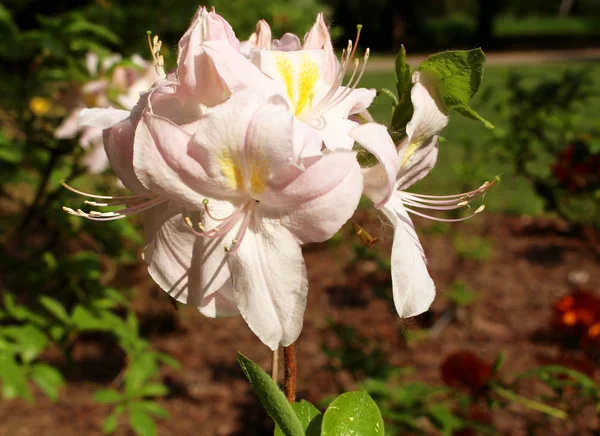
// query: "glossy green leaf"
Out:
[271,398]
[352,413]
[310,418]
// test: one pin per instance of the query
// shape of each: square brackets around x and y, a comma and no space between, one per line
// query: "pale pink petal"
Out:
[69,127]
[236,70]
[174,103]
[196,71]
[422,161]
[220,304]
[288,42]
[162,164]
[413,288]
[189,268]
[376,139]
[91,63]
[95,158]
[269,283]
[358,100]
[318,38]
[118,144]
[320,200]
[103,118]
[336,133]
[263,35]
[419,150]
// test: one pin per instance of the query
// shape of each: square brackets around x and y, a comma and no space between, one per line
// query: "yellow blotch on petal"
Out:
[307,79]
[259,172]
[410,150]
[230,168]
[286,71]
[299,82]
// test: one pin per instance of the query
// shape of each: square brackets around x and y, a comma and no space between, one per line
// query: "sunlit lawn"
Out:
[456,163]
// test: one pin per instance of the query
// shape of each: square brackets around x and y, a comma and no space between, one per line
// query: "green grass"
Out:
[461,168]
[507,26]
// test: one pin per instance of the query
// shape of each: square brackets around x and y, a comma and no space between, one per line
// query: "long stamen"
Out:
[107,197]
[449,203]
[350,86]
[95,215]
[330,99]
[219,230]
[237,242]
[446,220]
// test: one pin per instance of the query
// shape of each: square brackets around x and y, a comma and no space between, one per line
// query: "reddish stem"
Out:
[289,362]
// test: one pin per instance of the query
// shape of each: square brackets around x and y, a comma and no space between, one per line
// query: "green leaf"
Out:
[403,74]
[168,360]
[107,396]
[271,397]
[55,308]
[152,408]
[310,418]
[84,319]
[20,312]
[404,109]
[14,380]
[444,418]
[154,390]
[141,423]
[353,413]
[29,340]
[139,371]
[48,378]
[112,421]
[458,74]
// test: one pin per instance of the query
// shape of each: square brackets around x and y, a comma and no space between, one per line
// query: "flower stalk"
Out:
[290,369]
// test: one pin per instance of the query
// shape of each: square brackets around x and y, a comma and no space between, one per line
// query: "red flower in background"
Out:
[577,168]
[465,370]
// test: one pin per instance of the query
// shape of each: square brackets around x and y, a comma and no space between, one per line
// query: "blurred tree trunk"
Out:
[488,9]
[565,7]
[404,23]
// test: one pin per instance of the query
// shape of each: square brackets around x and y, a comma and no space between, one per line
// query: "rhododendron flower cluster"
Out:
[246,151]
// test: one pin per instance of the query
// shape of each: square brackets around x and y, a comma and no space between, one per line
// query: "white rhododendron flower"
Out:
[413,288]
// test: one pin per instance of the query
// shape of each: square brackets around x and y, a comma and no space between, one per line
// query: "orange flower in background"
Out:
[578,313]
[465,370]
